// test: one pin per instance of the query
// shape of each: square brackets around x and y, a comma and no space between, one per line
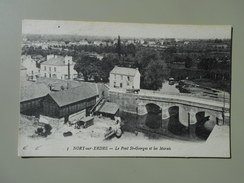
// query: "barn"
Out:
[64,103]
[31,96]
[109,109]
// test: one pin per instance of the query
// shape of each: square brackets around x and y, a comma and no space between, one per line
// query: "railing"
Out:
[97,103]
[217,98]
[218,102]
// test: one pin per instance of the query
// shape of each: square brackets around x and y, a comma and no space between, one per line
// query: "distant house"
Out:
[23,73]
[83,42]
[31,97]
[123,77]
[58,67]
[30,64]
[67,102]
[44,46]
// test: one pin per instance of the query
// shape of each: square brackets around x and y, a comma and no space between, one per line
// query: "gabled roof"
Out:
[31,90]
[56,61]
[109,108]
[72,95]
[124,71]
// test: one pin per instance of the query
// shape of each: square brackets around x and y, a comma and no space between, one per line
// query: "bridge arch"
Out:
[174,125]
[204,125]
[154,116]
[153,108]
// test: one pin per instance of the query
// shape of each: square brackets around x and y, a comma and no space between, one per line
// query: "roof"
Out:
[56,61]
[72,95]
[31,90]
[109,108]
[88,118]
[57,83]
[124,71]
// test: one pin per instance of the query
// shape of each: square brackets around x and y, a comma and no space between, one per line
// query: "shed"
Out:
[66,102]
[109,109]
[31,97]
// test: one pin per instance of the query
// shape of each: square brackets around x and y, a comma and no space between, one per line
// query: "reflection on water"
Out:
[154,116]
[154,121]
[154,127]
[201,131]
[174,123]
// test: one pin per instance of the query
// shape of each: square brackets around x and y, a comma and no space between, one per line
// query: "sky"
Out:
[135,30]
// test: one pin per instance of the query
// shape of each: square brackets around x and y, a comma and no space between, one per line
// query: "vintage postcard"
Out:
[100,89]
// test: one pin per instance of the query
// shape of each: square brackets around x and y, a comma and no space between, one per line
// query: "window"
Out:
[45,68]
[50,68]
[45,75]
[54,69]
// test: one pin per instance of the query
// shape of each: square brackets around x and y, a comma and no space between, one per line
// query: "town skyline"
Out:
[128,30]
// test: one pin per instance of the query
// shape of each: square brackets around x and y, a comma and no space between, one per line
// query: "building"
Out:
[30,64]
[64,103]
[23,73]
[123,77]
[108,109]
[58,67]
[83,42]
[31,96]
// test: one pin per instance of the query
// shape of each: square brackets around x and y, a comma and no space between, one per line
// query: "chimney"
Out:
[50,56]
[68,71]
[68,81]
[68,84]
[67,59]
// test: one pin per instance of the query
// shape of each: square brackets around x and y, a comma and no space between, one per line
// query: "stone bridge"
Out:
[188,106]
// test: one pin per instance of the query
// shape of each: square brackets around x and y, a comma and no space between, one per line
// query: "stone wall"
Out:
[127,101]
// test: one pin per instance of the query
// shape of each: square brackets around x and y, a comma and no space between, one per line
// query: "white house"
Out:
[32,70]
[58,67]
[23,73]
[83,42]
[123,77]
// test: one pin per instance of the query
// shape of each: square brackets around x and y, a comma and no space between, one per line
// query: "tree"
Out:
[207,64]
[107,64]
[87,65]
[119,47]
[155,73]
[152,67]
[188,62]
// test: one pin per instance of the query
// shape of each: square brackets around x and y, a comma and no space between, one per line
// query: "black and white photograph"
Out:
[110,89]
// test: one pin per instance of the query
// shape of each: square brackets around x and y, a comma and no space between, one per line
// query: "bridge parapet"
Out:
[185,100]
[135,103]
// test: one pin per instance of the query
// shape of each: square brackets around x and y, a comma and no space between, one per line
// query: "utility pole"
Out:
[189,124]
[119,47]
[68,81]
[68,70]
[223,112]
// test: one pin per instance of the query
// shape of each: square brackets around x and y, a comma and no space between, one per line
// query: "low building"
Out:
[109,109]
[23,73]
[83,42]
[123,77]
[58,67]
[30,64]
[31,97]
[64,103]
